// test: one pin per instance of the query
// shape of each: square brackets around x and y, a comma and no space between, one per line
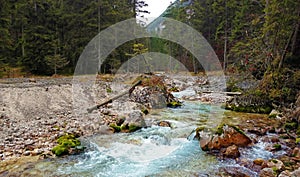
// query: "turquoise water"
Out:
[153,151]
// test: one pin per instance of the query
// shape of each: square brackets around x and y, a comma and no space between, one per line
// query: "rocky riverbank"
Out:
[36,112]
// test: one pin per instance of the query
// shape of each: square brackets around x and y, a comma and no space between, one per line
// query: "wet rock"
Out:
[36,152]
[267,172]
[296,152]
[236,171]
[164,124]
[258,161]
[284,174]
[274,114]
[224,137]
[135,118]
[232,152]
[105,130]
[276,164]
[157,100]
[296,173]
[258,131]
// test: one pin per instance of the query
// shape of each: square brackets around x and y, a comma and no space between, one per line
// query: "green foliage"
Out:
[56,62]
[290,125]
[250,109]
[231,86]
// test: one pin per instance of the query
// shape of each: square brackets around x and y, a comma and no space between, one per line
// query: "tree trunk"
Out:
[89,110]
[284,52]
[23,41]
[294,43]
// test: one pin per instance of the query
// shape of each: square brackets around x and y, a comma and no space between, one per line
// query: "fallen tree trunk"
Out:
[89,110]
[226,93]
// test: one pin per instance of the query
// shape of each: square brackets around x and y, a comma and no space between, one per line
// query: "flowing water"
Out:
[153,151]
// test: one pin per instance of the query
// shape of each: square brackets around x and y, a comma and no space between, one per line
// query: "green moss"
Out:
[275,170]
[297,140]
[251,109]
[277,146]
[298,131]
[115,127]
[68,140]
[220,130]
[65,142]
[109,90]
[133,128]
[290,125]
[238,129]
[60,150]
[272,116]
[174,104]
[174,89]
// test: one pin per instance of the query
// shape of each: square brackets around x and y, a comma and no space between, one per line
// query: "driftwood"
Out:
[114,98]
[226,93]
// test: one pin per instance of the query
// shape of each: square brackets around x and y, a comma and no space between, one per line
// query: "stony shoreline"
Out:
[35,113]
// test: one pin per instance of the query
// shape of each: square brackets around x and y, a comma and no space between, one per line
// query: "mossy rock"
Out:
[60,150]
[238,129]
[250,109]
[173,89]
[65,143]
[115,127]
[220,130]
[174,104]
[277,146]
[125,128]
[145,111]
[133,128]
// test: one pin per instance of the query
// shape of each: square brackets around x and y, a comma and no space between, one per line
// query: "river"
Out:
[153,151]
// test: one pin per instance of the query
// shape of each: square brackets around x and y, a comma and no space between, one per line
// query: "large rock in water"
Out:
[226,136]
[135,120]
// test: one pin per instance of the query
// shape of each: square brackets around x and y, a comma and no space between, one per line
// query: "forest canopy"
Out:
[248,35]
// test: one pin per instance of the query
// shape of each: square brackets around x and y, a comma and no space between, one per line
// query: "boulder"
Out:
[258,161]
[267,172]
[296,152]
[232,152]
[284,174]
[236,171]
[224,137]
[296,173]
[157,100]
[164,124]
[274,113]
[135,120]
[276,164]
